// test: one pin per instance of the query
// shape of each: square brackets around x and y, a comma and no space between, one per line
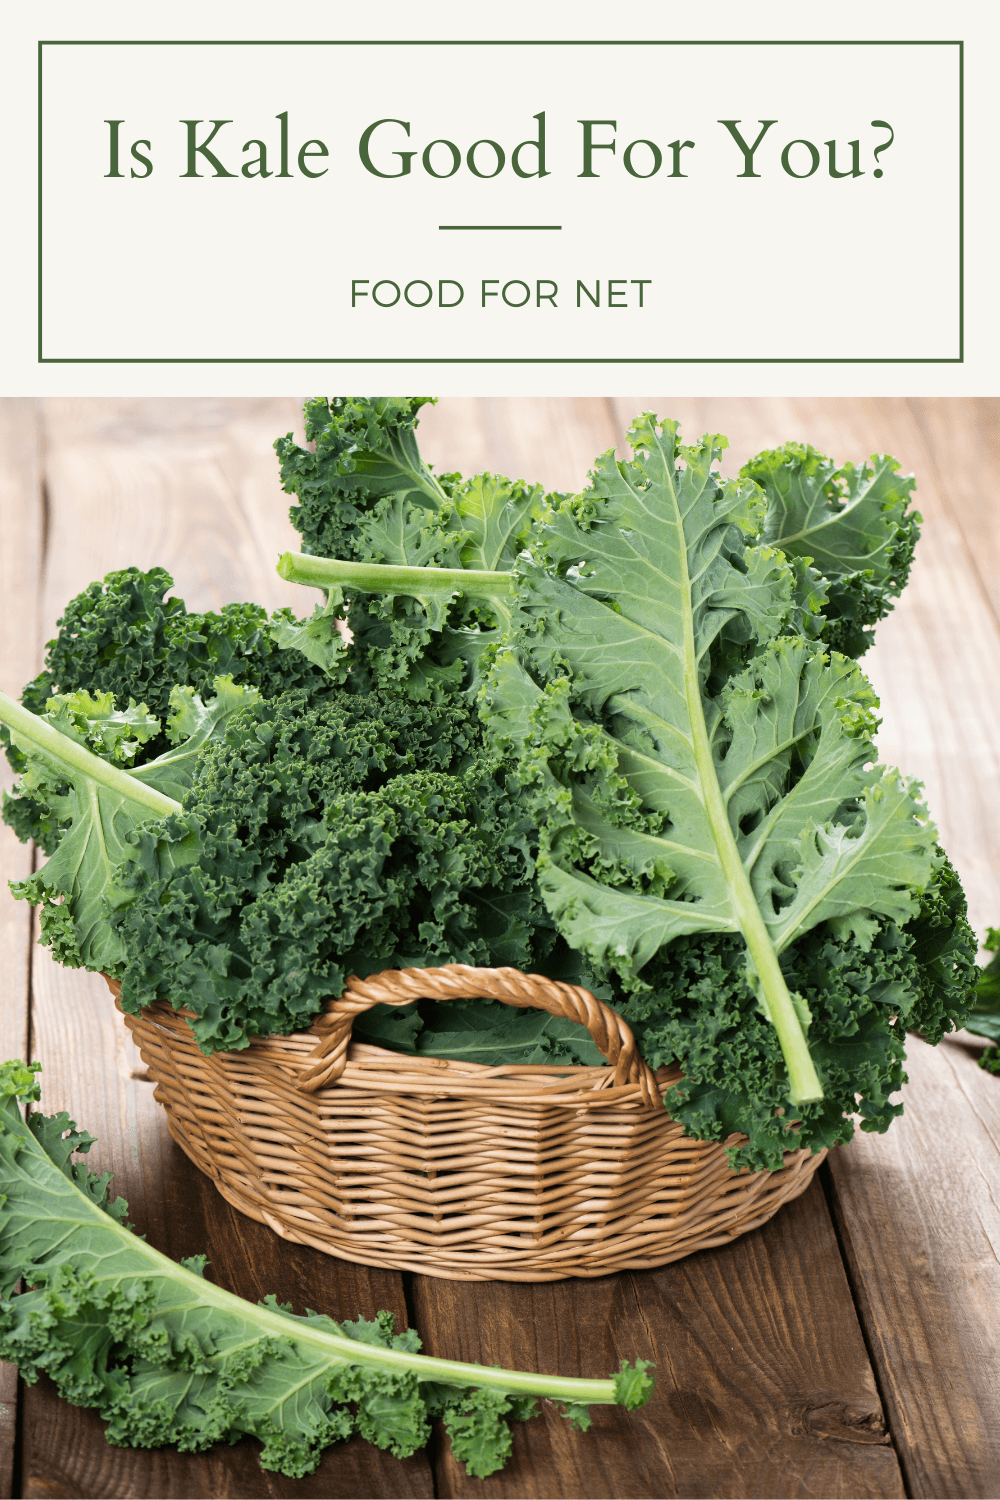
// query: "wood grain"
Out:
[189,485]
[21,526]
[919,1213]
[763,1386]
[547,441]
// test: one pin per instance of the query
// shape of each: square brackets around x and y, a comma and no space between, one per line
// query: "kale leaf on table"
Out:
[984,1017]
[166,1357]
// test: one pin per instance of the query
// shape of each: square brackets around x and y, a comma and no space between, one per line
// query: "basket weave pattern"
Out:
[528,1173]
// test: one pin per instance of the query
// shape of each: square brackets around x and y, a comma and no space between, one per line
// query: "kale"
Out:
[422,562]
[362,833]
[125,637]
[97,801]
[670,804]
[848,531]
[866,919]
[984,1018]
[370,505]
[361,452]
[603,737]
[478,1031]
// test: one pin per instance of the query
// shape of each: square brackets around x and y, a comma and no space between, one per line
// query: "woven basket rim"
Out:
[378,1070]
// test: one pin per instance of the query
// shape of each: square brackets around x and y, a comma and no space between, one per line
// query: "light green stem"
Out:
[390,578]
[803,1080]
[64,751]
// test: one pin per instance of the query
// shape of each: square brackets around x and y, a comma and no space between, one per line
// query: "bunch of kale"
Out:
[368,803]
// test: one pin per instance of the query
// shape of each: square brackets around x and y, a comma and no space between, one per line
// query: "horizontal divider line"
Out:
[499,226]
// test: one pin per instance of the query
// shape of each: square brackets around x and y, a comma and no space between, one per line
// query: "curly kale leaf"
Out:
[18,1081]
[126,639]
[944,950]
[97,806]
[363,450]
[430,641]
[351,836]
[984,1017]
[701,1012]
[848,529]
[369,503]
[668,805]
[319,637]
[166,1357]
[99,801]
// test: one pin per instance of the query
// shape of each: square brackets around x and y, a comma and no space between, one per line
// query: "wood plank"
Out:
[158,482]
[919,1215]
[21,526]
[961,435]
[763,1383]
[190,485]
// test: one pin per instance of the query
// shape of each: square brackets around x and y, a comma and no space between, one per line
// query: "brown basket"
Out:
[528,1173]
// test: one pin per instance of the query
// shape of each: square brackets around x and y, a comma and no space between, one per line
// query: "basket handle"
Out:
[325,1063]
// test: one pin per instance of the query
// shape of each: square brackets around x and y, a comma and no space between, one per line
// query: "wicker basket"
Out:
[528,1173]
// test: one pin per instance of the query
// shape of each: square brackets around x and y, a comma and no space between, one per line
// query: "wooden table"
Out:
[849,1348]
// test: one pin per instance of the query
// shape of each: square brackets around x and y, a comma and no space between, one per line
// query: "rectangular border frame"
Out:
[514,360]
